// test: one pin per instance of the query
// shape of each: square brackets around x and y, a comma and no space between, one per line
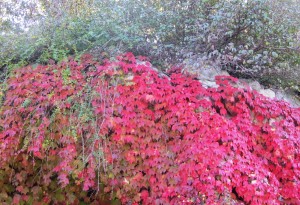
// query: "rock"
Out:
[255,85]
[209,84]
[289,97]
[208,73]
[145,63]
[203,68]
[223,72]
[267,93]
[280,95]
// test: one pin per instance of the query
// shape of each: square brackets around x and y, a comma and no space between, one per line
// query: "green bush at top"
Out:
[251,38]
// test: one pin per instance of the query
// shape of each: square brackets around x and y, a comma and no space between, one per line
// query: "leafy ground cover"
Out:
[82,132]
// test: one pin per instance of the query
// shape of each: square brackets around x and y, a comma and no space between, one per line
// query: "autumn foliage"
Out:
[87,131]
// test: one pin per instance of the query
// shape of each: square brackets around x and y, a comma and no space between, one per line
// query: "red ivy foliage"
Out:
[78,131]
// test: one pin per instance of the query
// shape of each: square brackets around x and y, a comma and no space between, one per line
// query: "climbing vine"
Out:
[89,131]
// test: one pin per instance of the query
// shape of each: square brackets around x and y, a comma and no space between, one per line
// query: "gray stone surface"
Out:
[255,85]
[267,93]
[209,84]
[287,96]
[207,71]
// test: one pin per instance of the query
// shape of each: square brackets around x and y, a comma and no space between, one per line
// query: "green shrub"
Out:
[251,38]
